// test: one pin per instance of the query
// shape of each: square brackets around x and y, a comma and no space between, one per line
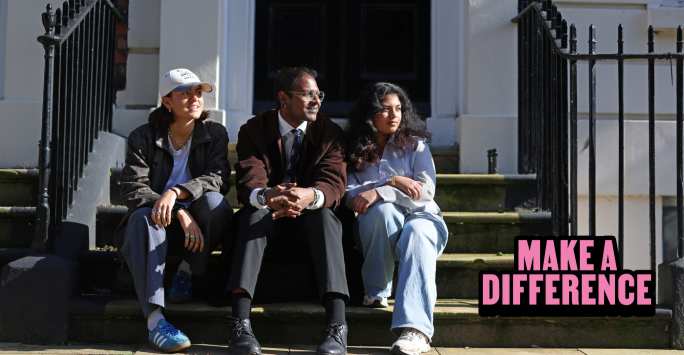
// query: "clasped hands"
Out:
[288,200]
[366,199]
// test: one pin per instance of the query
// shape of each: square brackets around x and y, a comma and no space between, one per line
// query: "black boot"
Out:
[335,341]
[242,339]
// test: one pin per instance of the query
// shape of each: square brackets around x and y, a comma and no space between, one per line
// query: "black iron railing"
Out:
[543,108]
[545,91]
[78,98]
[548,95]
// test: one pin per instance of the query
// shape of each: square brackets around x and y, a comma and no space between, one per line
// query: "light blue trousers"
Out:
[414,242]
[145,246]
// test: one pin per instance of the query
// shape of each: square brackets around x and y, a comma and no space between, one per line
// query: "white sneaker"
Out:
[375,302]
[411,342]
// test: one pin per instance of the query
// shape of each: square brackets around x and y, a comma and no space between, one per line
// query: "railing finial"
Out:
[679,39]
[48,18]
[651,35]
[72,9]
[58,21]
[65,13]
[621,43]
[573,38]
[564,34]
[592,39]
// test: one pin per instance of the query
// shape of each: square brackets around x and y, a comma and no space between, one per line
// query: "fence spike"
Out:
[573,38]
[58,21]
[65,13]
[650,38]
[620,40]
[48,18]
[679,39]
[564,34]
[72,7]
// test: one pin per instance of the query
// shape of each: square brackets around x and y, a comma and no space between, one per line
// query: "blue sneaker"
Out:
[181,288]
[167,338]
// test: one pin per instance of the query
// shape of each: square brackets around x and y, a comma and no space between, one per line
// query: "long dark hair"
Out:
[362,148]
[161,118]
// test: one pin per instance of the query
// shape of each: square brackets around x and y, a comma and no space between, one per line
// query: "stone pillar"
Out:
[446,63]
[190,36]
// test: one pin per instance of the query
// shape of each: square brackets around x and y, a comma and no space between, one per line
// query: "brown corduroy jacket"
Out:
[261,160]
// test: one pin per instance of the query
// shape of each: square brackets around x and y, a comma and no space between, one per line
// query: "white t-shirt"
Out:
[181,171]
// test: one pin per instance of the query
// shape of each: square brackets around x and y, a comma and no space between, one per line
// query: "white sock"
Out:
[154,318]
[184,267]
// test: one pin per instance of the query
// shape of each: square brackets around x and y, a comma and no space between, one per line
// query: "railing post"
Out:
[573,132]
[43,208]
[592,132]
[651,149]
[680,143]
[677,268]
[621,147]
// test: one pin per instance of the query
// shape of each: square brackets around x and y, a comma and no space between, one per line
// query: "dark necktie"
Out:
[295,154]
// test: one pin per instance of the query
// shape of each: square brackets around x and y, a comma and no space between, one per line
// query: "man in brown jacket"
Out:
[290,175]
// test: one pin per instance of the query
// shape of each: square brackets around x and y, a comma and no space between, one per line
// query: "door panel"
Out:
[350,43]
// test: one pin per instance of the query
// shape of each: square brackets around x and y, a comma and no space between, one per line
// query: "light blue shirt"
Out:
[416,164]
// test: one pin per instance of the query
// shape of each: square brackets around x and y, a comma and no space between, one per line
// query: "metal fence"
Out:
[548,61]
[78,97]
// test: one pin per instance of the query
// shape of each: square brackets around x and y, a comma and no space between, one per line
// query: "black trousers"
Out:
[317,232]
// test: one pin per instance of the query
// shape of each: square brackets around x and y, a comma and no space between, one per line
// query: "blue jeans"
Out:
[415,242]
[145,245]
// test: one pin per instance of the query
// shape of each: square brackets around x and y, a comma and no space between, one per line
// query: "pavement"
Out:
[14,348]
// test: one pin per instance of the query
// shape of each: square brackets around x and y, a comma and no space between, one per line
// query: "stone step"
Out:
[457,274]
[18,187]
[469,232]
[457,324]
[17,225]
[484,192]
[455,192]
[492,232]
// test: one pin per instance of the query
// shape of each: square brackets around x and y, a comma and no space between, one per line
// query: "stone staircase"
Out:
[483,213]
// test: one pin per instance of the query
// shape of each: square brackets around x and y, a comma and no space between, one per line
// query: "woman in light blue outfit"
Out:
[391,188]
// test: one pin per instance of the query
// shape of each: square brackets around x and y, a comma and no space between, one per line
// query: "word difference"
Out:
[563,276]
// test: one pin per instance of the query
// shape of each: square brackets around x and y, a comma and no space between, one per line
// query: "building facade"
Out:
[470,47]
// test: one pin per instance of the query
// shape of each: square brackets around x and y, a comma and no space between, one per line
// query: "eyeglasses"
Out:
[310,95]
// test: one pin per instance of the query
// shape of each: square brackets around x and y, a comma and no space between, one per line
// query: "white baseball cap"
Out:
[181,79]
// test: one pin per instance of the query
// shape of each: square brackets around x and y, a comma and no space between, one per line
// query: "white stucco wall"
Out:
[490,87]
[637,240]
[22,82]
[164,35]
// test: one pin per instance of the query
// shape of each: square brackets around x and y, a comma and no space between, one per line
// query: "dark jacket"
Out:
[261,160]
[149,164]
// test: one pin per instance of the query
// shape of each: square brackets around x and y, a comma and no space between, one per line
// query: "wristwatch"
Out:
[261,196]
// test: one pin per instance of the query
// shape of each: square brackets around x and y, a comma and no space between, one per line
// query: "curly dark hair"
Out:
[362,148]
[161,118]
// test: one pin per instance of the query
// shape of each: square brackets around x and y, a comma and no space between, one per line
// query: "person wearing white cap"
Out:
[174,183]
